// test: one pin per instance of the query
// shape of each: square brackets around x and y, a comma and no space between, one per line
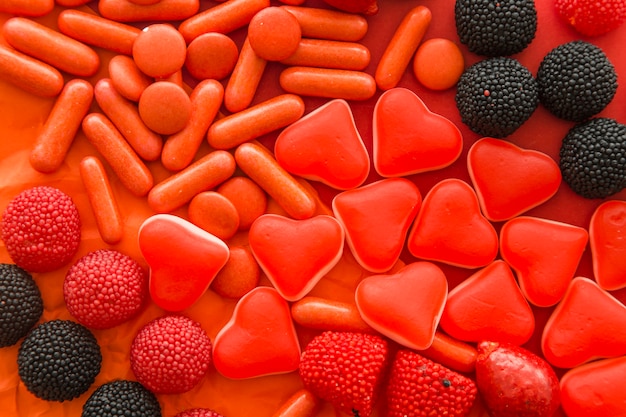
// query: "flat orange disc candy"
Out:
[211,55]
[274,33]
[438,64]
[159,50]
[165,107]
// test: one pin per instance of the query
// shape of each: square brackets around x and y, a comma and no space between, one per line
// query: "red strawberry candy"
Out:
[41,229]
[184,259]
[104,289]
[376,219]
[607,230]
[545,255]
[404,306]
[345,369]
[595,389]
[589,323]
[592,17]
[296,254]
[510,180]
[170,354]
[419,387]
[515,382]
[451,229]
[259,339]
[489,304]
[325,146]
[198,412]
[409,138]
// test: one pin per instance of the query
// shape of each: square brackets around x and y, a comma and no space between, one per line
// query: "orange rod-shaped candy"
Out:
[126,164]
[301,404]
[204,174]
[27,7]
[102,200]
[125,116]
[325,314]
[323,53]
[180,148]
[402,47]
[261,166]
[71,3]
[329,24]
[29,74]
[244,80]
[164,10]
[329,83]
[255,121]
[98,31]
[50,46]
[127,78]
[452,353]
[61,126]
[222,18]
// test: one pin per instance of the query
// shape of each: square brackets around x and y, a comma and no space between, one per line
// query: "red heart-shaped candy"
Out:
[510,180]
[408,138]
[296,254]
[404,306]
[451,229]
[607,232]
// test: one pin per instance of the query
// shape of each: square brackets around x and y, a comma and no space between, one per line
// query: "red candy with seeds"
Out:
[105,288]
[170,355]
[590,17]
[198,412]
[41,229]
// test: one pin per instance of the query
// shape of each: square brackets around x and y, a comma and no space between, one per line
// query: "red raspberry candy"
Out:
[198,412]
[41,229]
[105,288]
[592,17]
[170,355]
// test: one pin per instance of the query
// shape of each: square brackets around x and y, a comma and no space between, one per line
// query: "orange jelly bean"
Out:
[318,23]
[274,33]
[127,78]
[27,7]
[29,74]
[165,107]
[438,64]
[211,55]
[244,81]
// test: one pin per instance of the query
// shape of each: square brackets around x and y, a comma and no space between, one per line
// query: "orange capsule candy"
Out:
[127,78]
[438,64]
[329,83]
[27,7]
[211,55]
[329,24]
[274,33]
[165,107]
[244,81]
[29,74]
[159,50]
[322,53]
[214,213]
[165,10]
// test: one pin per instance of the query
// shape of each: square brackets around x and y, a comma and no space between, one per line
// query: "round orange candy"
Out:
[211,56]
[438,64]
[274,33]
[165,107]
[159,50]
[214,213]
[239,276]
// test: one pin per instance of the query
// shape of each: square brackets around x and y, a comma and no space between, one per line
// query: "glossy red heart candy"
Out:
[588,323]
[404,306]
[259,339]
[376,218]
[510,180]
[325,146]
[296,254]
[607,232]
[409,138]
[451,229]
[183,258]
[489,306]
[545,255]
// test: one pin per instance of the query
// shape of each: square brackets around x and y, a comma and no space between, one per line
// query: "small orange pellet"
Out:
[214,213]
[97,31]
[211,55]
[438,64]
[248,198]
[180,148]
[125,116]
[50,46]
[32,8]
[402,47]
[256,121]
[204,174]
[274,33]
[244,81]
[159,50]
[127,78]
[126,164]
[165,107]
[29,74]
[102,200]
[335,25]
[58,133]
[329,83]
[261,166]
[223,18]
[164,10]
[239,275]
[322,53]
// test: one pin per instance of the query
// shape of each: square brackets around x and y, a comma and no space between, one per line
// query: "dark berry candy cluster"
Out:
[122,398]
[21,305]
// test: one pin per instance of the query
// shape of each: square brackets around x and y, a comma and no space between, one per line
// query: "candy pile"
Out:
[248,205]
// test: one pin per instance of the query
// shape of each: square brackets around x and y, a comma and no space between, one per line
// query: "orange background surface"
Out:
[22,116]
